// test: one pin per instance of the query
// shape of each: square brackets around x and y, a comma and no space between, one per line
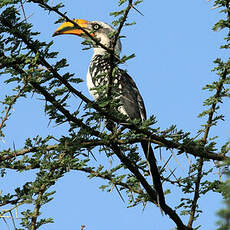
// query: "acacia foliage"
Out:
[29,67]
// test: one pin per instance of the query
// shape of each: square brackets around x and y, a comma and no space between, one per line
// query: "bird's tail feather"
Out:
[154,172]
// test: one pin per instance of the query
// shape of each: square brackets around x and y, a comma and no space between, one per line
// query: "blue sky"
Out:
[175,48]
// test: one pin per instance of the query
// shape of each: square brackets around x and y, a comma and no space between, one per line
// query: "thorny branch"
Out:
[84,143]
[65,112]
[125,16]
[205,138]
[87,170]
[37,206]
[40,198]
[201,160]
[57,105]
[112,59]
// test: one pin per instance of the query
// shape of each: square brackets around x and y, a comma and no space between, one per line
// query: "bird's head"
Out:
[99,30]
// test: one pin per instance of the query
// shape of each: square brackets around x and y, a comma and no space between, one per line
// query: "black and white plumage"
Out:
[131,101]
[130,98]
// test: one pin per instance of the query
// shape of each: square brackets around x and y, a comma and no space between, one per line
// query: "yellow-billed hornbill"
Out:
[130,98]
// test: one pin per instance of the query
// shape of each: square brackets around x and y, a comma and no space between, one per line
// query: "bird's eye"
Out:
[96,26]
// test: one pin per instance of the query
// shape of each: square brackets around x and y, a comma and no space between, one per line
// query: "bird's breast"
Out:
[97,74]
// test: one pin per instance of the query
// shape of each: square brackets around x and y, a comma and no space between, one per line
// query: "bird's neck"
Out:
[99,51]
[102,52]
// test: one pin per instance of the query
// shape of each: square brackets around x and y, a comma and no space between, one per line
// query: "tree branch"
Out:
[125,16]
[57,105]
[205,139]
[129,164]
[37,207]
[94,143]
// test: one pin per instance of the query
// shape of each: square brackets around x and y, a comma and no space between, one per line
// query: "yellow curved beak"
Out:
[70,28]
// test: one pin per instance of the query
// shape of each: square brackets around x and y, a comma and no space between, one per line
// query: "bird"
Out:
[131,102]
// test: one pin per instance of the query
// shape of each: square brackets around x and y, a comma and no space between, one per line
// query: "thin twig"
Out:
[137,10]
[117,34]
[174,156]
[171,171]
[11,106]
[23,10]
